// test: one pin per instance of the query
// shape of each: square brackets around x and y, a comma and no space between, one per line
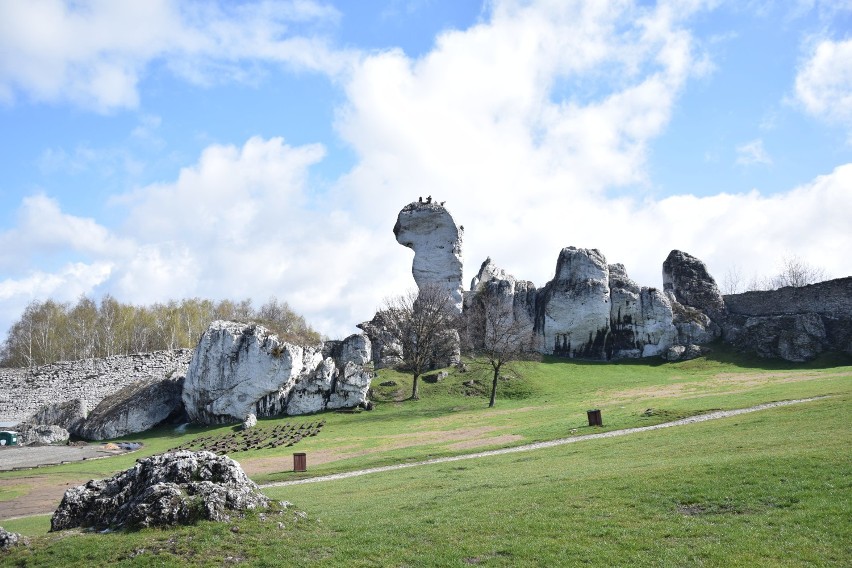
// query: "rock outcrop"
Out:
[240,369]
[573,309]
[135,408]
[168,489]
[29,434]
[698,306]
[8,539]
[385,347]
[641,318]
[69,415]
[514,296]
[429,230]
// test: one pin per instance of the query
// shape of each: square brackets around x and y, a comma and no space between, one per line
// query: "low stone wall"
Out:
[830,298]
[23,391]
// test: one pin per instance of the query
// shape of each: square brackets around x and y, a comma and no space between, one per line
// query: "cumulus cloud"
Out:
[94,53]
[753,153]
[522,127]
[824,82]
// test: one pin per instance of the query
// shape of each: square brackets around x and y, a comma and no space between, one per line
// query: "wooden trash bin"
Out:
[300,462]
[594,417]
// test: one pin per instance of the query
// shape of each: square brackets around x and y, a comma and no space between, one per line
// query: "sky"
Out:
[162,150]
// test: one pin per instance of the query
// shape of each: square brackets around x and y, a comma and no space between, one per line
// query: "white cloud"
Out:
[753,153]
[488,121]
[824,82]
[94,52]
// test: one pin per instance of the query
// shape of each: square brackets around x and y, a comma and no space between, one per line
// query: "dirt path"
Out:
[549,444]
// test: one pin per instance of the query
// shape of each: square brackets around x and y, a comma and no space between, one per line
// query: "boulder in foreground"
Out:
[167,489]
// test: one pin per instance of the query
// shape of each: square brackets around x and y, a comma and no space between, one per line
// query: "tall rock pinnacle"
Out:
[429,230]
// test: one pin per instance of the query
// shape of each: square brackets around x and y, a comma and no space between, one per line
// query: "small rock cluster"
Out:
[8,539]
[168,489]
[253,439]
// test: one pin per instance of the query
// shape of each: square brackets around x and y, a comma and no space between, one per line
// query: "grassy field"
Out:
[764,489]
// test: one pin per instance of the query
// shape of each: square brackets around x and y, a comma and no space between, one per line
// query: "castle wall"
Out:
[22,391]
[831,298]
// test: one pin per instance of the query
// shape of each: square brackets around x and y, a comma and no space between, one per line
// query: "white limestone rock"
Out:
[29,434]
[688,281]
[350,389]
[135,408]
[69,415]
[167,489]
[429,230]
[386,348]
[516,296]
[250,422]
[240,369]
[573,310]
[641,319]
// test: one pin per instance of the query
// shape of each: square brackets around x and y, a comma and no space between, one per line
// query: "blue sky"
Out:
[226,150]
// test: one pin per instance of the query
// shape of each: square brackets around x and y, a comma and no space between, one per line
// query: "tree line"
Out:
[50,331]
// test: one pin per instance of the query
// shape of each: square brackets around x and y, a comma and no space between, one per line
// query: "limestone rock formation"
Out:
[691,283]
[29,434]
[250,422]
[8,539]
[167,489]
[240,369]
[356,349]
[683,352]
[429,230]
[135,408]
[641,319]
[385,347]
[517,297]
[69,415]
[573,310]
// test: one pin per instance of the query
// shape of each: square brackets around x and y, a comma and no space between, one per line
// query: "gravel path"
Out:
[549,444]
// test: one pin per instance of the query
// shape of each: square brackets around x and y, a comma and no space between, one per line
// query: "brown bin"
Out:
[594,417]
[300,462]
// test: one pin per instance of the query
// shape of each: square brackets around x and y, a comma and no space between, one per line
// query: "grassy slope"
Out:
[763,489]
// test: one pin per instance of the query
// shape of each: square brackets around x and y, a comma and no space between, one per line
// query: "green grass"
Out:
[764,489]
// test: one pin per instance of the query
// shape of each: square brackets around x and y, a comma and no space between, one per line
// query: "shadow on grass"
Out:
[724,354]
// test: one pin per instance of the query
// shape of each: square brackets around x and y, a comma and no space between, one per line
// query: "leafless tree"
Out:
[797,272]
[424,322]
[732,282]
[494,335]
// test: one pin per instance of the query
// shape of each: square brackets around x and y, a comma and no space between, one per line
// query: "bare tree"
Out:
[733,280]
[797,272]
[495,336]
[425,324]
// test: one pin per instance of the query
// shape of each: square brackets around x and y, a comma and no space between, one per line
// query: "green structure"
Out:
[8,438]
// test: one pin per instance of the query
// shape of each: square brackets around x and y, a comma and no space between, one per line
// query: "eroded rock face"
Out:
[69,415]
[691,284]
[168,489]
[386,348]
[517,297]
[135,408]
[429,230]
[573,310]
[29,434]
[240,369]
[641,319]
